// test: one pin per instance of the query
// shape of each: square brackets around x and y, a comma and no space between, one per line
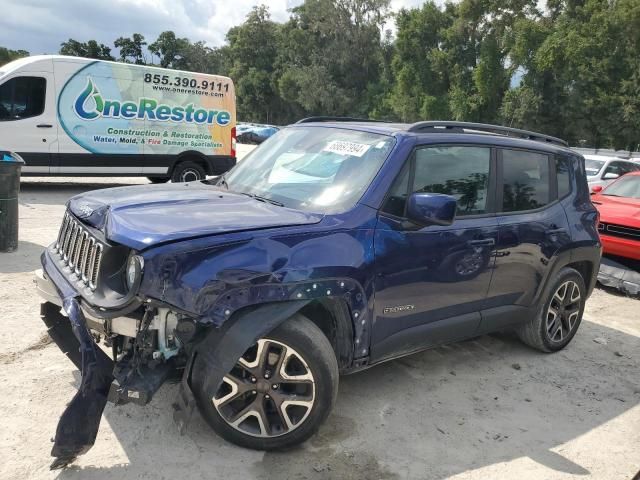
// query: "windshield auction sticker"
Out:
[342,147]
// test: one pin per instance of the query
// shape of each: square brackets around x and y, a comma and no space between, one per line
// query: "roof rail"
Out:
[460,127]
[336,119]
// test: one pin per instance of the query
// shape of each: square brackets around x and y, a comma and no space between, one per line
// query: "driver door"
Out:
[431,282]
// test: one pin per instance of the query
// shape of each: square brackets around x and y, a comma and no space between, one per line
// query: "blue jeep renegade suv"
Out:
[335,245]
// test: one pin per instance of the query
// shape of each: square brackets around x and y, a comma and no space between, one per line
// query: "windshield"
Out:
[317,169]
[627,186]
[593,166]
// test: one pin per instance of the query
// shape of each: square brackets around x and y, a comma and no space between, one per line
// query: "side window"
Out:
[459,171]
[462,172]
[525,180]
[563,178]
[614,168]
[22,97]
[626,168]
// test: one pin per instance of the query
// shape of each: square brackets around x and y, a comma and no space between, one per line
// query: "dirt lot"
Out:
[486,408]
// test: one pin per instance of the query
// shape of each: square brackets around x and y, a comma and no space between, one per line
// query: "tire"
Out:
[187,171]
[301,337]
[158,179]
[541,332]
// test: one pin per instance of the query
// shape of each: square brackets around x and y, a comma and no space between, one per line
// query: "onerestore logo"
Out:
[90,105]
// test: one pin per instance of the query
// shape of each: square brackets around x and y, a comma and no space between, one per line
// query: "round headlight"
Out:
[134,270]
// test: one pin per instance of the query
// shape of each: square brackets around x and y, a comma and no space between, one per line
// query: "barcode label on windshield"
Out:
[347,148]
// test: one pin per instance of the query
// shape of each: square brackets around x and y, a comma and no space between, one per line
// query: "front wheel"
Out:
[558,322]
[279,391]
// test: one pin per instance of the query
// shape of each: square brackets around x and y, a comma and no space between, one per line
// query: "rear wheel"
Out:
[188,171]
[558,322]
[279,391]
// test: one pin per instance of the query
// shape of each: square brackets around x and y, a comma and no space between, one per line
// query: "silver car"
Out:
[602,170]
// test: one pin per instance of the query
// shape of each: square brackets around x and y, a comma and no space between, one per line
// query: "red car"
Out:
[619,207]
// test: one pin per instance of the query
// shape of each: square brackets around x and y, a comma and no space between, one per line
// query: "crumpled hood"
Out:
[146,215]
[618,210]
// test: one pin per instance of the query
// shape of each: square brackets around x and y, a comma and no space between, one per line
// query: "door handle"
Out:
[486,242]
[44,125]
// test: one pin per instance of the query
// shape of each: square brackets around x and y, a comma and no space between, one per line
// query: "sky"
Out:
[39,26]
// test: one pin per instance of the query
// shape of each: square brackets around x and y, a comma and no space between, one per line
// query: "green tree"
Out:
[253,50]
[90,49]
[419,64]
[132,49]
[332,55]
[7,55]
[170,50]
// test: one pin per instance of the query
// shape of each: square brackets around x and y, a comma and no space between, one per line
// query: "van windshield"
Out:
[317,169]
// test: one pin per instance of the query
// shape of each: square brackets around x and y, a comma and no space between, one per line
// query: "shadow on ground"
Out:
[25,259]
[430,415]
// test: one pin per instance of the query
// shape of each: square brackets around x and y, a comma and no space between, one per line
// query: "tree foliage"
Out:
[131,49]
[7,55]
[569,68]
[90,49]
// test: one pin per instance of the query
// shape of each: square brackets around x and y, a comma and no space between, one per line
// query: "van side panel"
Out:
[112,118]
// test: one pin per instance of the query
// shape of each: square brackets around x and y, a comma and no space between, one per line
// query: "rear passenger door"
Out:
[533,229]
[432,281]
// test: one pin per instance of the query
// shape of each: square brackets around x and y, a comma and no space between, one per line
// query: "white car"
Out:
[602,170]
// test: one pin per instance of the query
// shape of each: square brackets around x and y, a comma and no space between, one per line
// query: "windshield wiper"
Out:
[263,199]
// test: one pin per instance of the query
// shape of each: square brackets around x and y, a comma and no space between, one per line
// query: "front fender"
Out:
[211,283]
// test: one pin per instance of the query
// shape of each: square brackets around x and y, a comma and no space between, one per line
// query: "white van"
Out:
[78,116]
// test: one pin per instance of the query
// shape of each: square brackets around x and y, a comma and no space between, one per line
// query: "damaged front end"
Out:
[145,352]
[125,354]
[133,308]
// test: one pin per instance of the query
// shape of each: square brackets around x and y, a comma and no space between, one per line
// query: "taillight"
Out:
[234,142]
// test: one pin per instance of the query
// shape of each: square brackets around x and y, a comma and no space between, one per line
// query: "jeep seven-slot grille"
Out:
[80,251]
[614,230]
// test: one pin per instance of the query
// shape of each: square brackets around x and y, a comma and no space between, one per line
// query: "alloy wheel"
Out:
[269,392]
[563,311]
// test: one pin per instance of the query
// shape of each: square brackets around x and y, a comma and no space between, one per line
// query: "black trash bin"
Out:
[10,166]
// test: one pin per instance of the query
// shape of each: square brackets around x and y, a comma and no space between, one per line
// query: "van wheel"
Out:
[158,179]
[279,392]
[555,326]
[187,171]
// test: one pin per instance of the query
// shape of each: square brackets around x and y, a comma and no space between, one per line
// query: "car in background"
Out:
[255,134]
[602,170]
[619,207]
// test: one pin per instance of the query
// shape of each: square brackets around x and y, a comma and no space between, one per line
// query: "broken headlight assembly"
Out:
[133,272]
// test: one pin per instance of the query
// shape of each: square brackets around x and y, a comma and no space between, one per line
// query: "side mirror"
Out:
[596,189]
[610,176]
[431,209]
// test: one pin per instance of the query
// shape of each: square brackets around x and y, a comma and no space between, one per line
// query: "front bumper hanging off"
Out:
[79,423]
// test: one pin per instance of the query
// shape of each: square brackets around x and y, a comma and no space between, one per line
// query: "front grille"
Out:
[614,230]
[79,250]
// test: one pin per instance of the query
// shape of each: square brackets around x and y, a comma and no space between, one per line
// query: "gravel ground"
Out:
[485,408]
